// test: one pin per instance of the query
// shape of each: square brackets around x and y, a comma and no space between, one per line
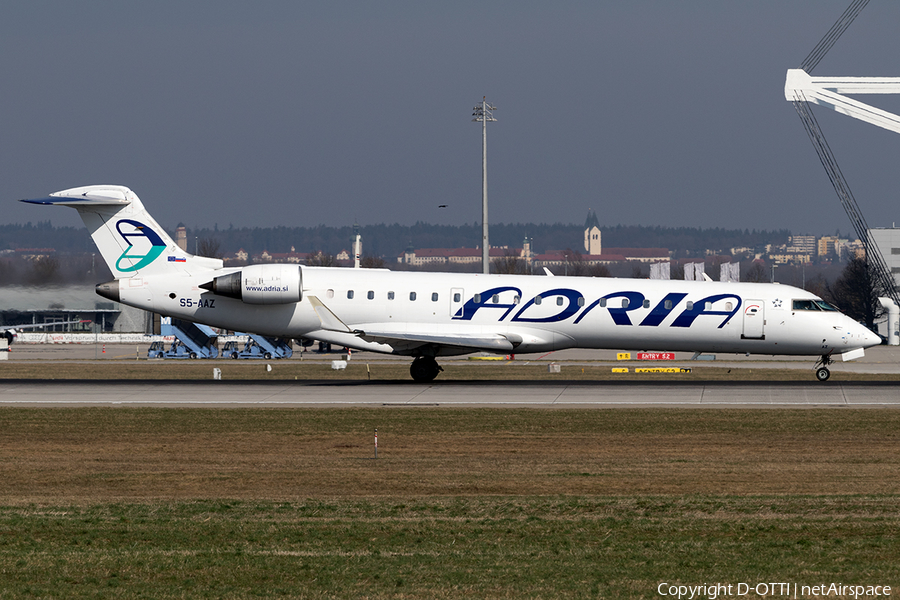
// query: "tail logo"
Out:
[140,239]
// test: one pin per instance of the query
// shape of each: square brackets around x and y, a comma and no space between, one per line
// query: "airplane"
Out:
[431,315]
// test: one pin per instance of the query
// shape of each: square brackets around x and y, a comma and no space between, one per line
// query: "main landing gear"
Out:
[822,372]
[424,369]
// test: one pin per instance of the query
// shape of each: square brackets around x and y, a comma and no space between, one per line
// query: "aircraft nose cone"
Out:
[871,339]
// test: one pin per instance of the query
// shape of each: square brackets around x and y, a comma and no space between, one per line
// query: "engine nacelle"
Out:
[260,284]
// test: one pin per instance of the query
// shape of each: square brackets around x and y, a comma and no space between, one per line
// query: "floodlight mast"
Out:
[483,113]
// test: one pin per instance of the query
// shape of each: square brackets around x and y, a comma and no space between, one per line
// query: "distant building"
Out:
[181,237]
[23,305]
[556,258]
[854,249]
[34,253]
[826,246]
[791,258]
[887,240]
[527,251]
[802,244]
[418,257]
[592,244]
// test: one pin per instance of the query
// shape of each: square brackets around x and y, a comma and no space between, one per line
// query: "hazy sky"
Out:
[301,113]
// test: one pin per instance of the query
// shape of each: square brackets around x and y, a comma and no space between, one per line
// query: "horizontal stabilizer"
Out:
[92,195]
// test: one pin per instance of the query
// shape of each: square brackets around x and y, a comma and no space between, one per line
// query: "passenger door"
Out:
[754,320]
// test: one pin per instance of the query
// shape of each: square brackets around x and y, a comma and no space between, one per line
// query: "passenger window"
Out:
[456,297]
[708,306]
[602,302]
[580,300]
[412,295]
[516,299]
[495,298]
[476,298]
[329,294]
[390,295]
[625,303]
[538,299]
[559,300]
[646,303]
[690,305]
[434,296]
[370,295]
[668,305]
[349,294]
[729,306]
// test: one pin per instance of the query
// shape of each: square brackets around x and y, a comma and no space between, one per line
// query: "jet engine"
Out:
[260,284]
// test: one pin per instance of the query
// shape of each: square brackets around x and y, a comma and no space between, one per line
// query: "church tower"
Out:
[592,234]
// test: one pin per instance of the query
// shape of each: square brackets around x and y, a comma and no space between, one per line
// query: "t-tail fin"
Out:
[131,242]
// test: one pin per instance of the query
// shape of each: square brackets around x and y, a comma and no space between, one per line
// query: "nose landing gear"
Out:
[822,372]
[424,369]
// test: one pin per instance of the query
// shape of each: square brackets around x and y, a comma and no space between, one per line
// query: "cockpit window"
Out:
[824,305]
[805,305]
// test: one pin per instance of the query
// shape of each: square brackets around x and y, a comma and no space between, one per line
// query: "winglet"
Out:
[329,320]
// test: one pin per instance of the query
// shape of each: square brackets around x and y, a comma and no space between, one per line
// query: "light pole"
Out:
[483,113]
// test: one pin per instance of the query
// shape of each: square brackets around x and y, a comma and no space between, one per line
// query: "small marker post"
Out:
[376,443]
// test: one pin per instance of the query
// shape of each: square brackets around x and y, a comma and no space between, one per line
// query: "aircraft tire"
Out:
[822,374]
[424,369]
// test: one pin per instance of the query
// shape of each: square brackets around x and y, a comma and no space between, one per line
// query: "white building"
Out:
[887,240]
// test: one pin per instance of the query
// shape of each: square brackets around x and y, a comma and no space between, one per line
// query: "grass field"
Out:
[473,503]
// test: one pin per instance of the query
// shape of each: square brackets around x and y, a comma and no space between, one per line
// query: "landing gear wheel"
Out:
[424,369]
[822,372]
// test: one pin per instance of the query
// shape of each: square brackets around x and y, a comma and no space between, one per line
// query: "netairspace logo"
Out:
[711,591]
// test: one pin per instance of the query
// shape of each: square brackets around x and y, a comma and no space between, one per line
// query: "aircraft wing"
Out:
[385,333]
[492,342]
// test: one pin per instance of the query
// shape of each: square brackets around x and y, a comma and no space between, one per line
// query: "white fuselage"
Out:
[535,313]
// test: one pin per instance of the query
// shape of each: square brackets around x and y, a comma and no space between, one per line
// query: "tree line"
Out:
[389,241]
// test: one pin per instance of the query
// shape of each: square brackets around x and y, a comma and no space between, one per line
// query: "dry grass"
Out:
[113,454]
[461,503]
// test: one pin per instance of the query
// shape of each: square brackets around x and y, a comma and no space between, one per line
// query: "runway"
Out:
[451,394]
